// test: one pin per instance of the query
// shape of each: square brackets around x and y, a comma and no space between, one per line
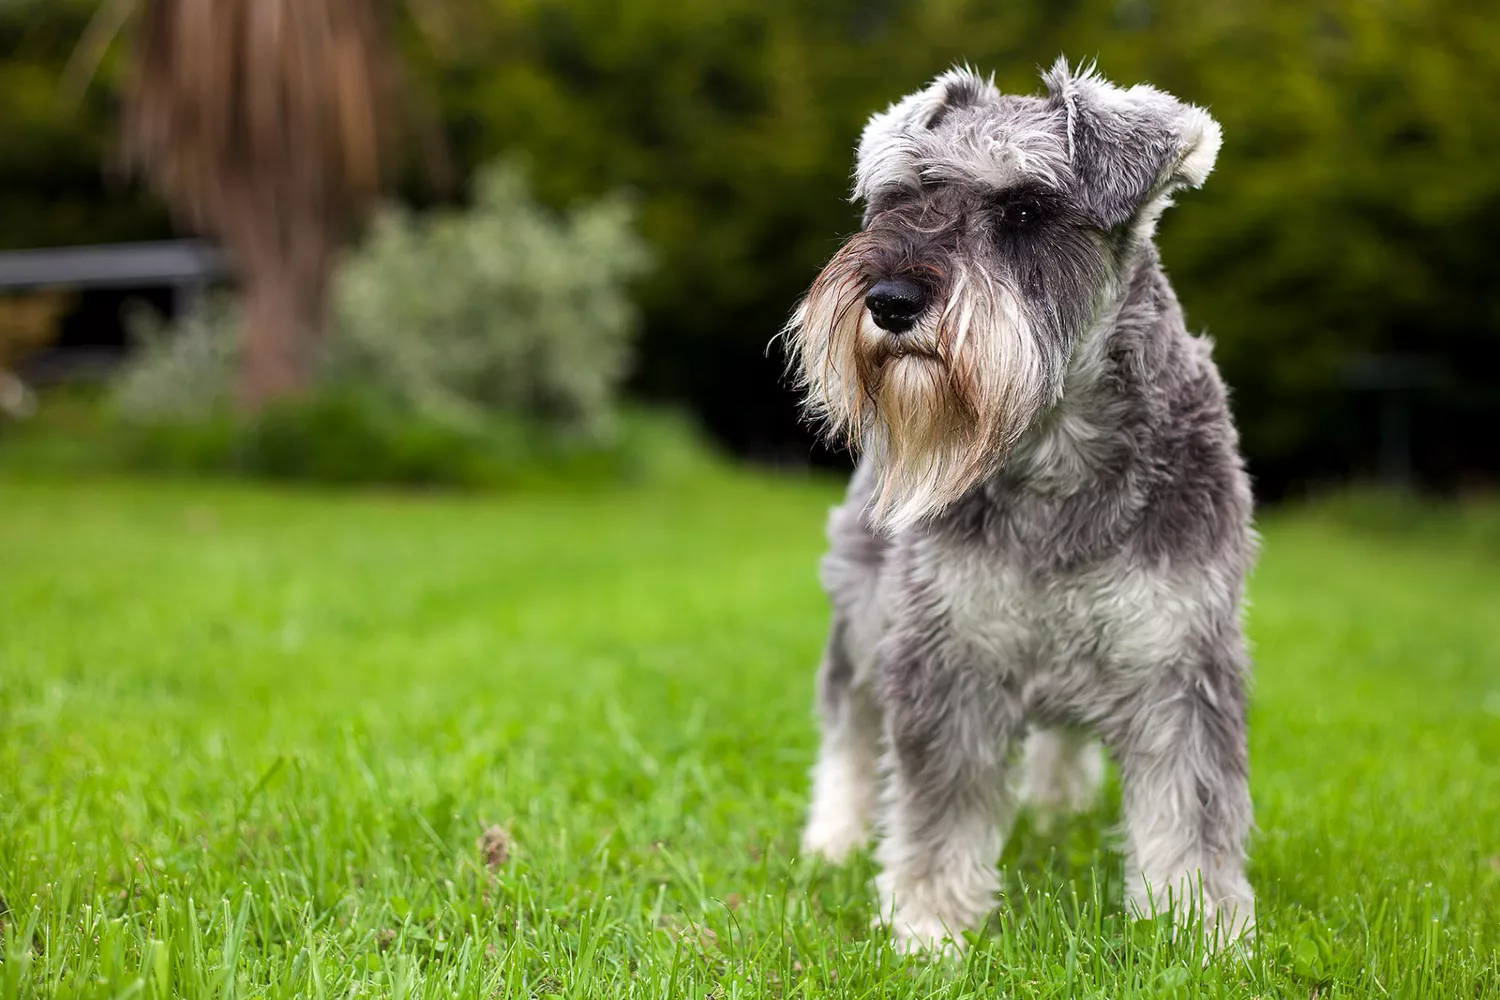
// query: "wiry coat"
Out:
[1063,548]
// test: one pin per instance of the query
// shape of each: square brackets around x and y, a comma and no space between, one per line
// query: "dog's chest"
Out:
[997,610]
[1111,616]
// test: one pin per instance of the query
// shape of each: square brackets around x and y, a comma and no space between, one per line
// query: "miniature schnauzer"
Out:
[1047,535]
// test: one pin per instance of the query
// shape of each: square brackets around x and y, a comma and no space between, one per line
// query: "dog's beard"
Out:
[937,408]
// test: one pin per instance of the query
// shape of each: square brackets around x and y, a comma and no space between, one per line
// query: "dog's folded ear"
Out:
[1130,148]
[887,149]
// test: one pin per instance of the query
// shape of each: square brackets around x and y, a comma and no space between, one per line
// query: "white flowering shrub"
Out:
[507,308]
[504,311]
[185,370]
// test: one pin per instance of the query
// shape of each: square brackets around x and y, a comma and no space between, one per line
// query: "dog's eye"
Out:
[1018,210]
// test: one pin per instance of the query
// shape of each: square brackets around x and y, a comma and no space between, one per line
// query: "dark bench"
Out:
[186,267]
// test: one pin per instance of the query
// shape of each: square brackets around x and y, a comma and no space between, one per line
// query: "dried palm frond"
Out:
[262,120]
[270,125]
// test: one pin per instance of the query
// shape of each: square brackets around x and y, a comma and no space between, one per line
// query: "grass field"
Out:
[250,739]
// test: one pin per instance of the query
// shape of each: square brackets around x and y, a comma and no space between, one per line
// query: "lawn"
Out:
[251,740]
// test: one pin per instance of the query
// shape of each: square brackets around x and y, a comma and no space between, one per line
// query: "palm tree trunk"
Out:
[284,313]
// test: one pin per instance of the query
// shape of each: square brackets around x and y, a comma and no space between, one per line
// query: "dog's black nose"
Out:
[895,304]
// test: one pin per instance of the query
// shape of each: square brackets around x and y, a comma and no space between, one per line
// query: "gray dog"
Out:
[1047,536]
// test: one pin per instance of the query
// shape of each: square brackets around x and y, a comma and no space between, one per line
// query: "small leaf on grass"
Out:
[1173,980]
[494,846]
[400,907]
[1312,953]
[691,932]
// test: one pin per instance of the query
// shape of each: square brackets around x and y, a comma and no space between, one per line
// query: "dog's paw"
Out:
[833,839]
[1230,929]
[918,935]
[925,937]
[1218,927]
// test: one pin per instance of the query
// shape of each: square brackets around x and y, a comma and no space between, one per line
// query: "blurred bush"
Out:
[506,312]
[182,371]
[478,348]
[503,309]
[341,435]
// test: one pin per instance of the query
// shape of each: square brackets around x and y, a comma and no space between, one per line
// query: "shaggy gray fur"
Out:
[1064,552]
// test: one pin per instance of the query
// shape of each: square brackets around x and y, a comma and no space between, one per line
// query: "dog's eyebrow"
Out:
[997,154]
[998,168]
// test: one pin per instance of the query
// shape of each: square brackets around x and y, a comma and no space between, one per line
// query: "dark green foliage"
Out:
[347,436]
[340,438]
[54,186]
[1352,210]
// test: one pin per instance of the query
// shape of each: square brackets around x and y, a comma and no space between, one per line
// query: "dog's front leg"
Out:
[844,781]
[947,804]
[1184,768]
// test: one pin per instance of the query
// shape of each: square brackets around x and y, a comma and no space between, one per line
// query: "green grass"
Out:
[249,740]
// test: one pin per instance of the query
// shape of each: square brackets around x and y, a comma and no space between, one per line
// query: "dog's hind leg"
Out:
[1062,771]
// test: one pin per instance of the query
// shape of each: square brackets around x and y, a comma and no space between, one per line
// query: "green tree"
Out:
[54,190]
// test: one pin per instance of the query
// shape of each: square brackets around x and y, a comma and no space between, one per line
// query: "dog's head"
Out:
[995,227]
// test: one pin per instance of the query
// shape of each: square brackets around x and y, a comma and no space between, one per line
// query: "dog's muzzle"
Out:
[895,304]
